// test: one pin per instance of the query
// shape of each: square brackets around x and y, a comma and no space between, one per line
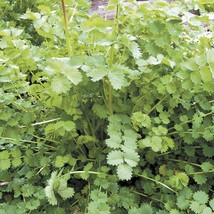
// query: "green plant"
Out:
[100,116]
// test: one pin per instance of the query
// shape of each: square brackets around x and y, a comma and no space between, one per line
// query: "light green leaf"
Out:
[66,193]
[206,74]
[124,172]
[96,73]
[201,197]
[117,79]
[60,84]
[115,158]
[114,141]
[210,56]
[156,143]
[207,166]
[131,158]
[72,74]
[135,49]
[140,120]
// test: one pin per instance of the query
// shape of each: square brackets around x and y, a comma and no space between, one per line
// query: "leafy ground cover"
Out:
[100,116]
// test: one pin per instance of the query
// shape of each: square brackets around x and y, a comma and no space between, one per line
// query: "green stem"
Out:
[110,100]
[201,172]
[189,121]
[81,172]
[68,43]
[158,182]
[172,133]
[144,195]
[182,161]
[154,107]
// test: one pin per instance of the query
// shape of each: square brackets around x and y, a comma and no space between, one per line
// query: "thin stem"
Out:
[201,172]
[110,100]
[189,121]
[147,196]
[182,161]
[158,182]
[68,43]
[81,172]
[154,107]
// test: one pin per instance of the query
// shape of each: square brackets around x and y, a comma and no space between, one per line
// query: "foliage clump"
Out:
[100,116]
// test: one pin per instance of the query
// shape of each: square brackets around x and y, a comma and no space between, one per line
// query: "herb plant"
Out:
[106,116]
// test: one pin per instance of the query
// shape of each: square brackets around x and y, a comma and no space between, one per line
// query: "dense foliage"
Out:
[100,116]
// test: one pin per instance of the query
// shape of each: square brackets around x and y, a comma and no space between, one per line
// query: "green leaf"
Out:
[200,179]
[211,203]
[134,48]
[115,158]
[59,162]
[60,84]
[124,172]
[27,190]
[86,169]
[4,160]
[114,141]
[147,209]
[206,166]
[207,210]
[140,120]
[197,207]
[117,79]
[32,204]
[201,197]
[66,193]
[156,143]
[182,202]
[96,73]
[206,74]
[49,190]
[131,158]
[210,55]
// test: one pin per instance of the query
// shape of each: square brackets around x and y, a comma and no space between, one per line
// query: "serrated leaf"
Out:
[207,210]
[182,202]
[101,111]
[86,169]
[211,203]
[136,52]
[140,120]
[49,190]
[114,141]
[16,162]
[59,162]
[156,143]
[4,164]
[27,190]
[197,207]
[206,74]
[117,79]
[201,197]
[115,158]
[73,75]
[32,204]
[147,209]
[66,193]
[210,55]
[15,153]
[200,179]
[206,166]
[96,73]
[131,158]
[124,172]
[60,84]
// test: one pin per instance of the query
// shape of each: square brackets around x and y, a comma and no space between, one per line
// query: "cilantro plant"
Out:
[106,116]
